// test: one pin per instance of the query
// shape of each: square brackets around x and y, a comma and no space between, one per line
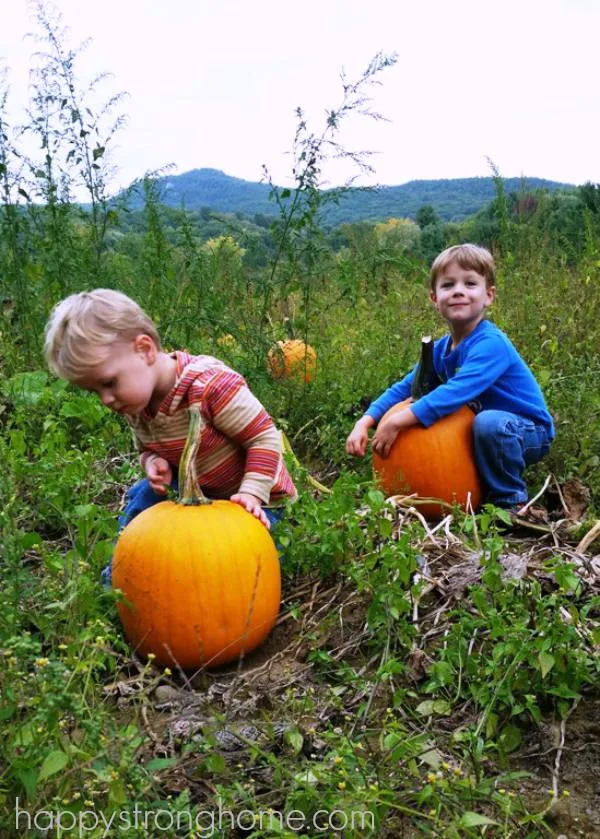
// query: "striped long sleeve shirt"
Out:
[240,447]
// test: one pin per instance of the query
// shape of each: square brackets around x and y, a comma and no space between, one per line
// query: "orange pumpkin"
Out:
[434,462]
[292,358]
[201,579]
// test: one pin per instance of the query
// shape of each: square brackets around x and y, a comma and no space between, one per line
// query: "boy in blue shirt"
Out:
[477,366]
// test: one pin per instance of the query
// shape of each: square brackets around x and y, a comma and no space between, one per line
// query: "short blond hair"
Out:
[470,258]
[83,327]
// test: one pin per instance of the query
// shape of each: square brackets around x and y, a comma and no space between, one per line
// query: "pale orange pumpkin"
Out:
[201,579]
[292,358]
[434,462]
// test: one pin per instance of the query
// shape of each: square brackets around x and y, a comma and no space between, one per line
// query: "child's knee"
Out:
[488,425]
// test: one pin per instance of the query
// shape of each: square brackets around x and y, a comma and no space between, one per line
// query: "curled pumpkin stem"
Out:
[190,493]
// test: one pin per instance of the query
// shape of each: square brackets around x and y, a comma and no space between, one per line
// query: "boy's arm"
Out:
[237,413]
[398,392]
[158,470]
[483,365]
[358,438]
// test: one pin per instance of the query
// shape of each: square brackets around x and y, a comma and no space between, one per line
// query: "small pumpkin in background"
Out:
[292,358]
[436,462]
[201,579]
[227,341]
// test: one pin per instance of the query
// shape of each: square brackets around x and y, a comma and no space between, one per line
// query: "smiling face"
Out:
[126,379]
[461,296]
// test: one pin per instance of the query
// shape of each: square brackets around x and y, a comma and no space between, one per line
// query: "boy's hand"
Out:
[159,473]
[388,430]
[253,505]
[359,436]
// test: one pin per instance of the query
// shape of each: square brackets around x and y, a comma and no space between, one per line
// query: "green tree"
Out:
[426,215]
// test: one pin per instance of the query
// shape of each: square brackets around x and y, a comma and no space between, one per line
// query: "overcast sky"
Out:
[214,83]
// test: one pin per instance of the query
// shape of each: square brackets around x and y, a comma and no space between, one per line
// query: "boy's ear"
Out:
[491,290]
[145,345]
[433,296]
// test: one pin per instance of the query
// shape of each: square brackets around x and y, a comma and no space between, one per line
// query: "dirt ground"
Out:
[235,701]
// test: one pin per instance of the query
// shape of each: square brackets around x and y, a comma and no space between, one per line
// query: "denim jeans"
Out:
[505,444]
[141,496]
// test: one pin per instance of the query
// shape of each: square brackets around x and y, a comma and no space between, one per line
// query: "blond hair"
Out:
[83,327]
[470,258]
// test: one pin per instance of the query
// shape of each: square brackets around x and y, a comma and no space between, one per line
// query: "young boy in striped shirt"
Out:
[104,342]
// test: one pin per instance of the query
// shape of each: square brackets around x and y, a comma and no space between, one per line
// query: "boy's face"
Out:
[461,296]
[126,379]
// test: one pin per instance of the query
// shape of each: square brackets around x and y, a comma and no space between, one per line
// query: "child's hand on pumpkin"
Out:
[359,436]
[253,505]
[388,429]
[159,473]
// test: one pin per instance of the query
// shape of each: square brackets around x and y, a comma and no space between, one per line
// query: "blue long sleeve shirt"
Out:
[485,371]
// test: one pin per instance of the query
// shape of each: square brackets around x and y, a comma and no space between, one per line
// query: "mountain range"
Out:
[453,199]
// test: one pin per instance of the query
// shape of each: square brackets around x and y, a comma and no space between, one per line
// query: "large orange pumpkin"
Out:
[434,462]
[201,579]
[292,358]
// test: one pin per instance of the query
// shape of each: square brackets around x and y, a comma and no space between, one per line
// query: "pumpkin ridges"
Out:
[215,619]
[436,462]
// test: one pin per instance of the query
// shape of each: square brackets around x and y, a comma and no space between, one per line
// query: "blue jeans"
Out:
[505,444]
[141,496]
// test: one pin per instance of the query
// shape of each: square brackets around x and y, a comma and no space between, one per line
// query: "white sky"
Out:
[215,82]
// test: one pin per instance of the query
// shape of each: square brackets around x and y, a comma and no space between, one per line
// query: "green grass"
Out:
[362,734]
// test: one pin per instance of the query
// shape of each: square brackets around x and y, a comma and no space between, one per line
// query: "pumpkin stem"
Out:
[426,379]
[189,488]
[289,328]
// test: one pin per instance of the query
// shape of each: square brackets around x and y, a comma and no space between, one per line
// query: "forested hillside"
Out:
[453,199]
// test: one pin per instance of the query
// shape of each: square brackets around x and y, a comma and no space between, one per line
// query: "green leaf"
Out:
[432,758]
[98,152]
[491,725]
[285,193]
[434,706]
[306,777]
[510,738]
[116,793]
[546,663]
[53,763]
[215,763]
[503,515]
[294,739]
[160,763]
[375,499]
[7,710]
[470,819]
[24,735]
[27,388]
[29,540]
[28,778]
[82,511]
